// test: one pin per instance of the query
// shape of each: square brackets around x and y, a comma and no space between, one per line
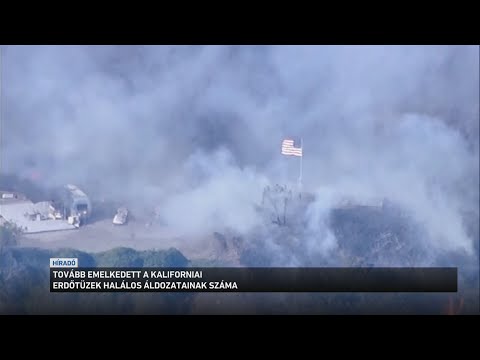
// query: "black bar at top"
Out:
[310,279]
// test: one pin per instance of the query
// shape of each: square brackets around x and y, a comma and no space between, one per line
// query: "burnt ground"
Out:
[364,236]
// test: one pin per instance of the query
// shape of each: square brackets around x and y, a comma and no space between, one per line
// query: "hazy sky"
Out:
[198,129]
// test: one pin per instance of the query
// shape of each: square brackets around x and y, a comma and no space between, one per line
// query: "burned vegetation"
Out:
[298,230]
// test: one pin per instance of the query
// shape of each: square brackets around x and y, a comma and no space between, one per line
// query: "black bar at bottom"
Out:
[295,279]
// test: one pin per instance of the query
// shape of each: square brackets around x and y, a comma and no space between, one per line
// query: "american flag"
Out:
[290,147]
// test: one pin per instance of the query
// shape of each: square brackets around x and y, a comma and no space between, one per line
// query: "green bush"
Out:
[9,235]
[167,258]
[127,257]
[120,256]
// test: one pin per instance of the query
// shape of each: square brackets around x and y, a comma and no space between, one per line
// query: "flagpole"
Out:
[301,165]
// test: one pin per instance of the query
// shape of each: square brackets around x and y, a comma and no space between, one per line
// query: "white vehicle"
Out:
[121,217]
[74,220]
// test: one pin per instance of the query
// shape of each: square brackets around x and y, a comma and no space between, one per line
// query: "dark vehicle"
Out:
[76,204]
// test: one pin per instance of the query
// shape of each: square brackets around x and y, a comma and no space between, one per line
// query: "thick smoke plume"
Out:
[196,130]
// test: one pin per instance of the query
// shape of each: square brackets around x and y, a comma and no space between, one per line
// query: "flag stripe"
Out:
[293,154]
[292,150]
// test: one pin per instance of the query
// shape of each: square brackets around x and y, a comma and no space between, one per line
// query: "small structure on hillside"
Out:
[72,209]
[31,217]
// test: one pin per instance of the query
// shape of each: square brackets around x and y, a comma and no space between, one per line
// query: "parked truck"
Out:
[77,205]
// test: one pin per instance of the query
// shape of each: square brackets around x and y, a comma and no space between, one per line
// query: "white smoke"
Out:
[196,129]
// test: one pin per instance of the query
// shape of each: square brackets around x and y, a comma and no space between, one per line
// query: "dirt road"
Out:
[103,235]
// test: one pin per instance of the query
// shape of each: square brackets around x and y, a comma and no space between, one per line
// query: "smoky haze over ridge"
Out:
[197,129]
